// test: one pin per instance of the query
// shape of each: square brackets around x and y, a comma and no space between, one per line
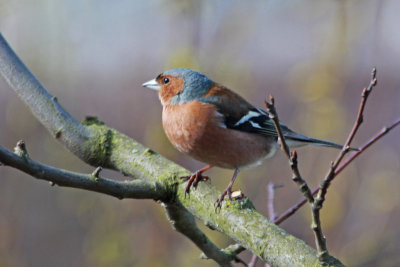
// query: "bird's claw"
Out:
[218,202]
[193,180]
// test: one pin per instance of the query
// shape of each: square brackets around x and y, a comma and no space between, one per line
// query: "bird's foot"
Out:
[195,178]
[227,191]
[218,202]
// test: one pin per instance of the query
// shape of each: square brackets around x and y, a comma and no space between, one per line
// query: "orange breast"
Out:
[196,129]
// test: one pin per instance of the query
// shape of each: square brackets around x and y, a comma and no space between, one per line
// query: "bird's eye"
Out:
[165,80]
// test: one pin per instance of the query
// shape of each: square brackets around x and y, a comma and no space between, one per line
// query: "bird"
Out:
[212,124]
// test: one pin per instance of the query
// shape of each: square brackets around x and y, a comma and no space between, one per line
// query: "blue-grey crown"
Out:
[195,85]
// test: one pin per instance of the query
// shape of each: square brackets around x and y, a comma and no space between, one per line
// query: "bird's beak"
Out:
[152,84]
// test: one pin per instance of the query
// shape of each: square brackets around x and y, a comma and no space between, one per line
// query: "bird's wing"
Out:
[242,116]
[239,114]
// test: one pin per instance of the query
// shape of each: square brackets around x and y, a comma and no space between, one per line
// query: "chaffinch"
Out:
[212,124]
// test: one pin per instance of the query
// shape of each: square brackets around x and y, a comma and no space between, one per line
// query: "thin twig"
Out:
[273,115]
[292,156]
[322,189]
[320,198]
[360,118]
[323,254]
[378,136]
[353,156]
[271,198]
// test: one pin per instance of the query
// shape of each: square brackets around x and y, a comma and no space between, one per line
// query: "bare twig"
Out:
[323,254]
[353,156]
[271,197]
[320,198]
[335,168]
[360,118]
[374,139]
[292,156]
[273,115]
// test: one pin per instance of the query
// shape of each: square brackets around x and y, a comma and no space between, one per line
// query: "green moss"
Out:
[90,120]
[150,152]
[239,204]
[99,146]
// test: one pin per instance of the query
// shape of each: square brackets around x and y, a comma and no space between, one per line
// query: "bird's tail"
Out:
[295,140]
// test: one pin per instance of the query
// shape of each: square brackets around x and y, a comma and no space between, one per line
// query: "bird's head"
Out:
[178,86]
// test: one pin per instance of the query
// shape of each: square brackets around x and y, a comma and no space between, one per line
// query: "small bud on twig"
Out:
[272,99]
[20,149]
[373,73]
[364,92]
[374,82]
[96,173]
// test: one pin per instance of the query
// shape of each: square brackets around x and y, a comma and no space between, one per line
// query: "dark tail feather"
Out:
[312,141]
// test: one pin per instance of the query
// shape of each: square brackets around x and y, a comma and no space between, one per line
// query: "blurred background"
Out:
[313,56]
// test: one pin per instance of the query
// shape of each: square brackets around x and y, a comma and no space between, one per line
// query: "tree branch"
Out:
[44,106]
[184,222]
[98,145]
[139,189]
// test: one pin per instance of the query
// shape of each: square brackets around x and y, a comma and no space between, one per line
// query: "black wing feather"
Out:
[244,117]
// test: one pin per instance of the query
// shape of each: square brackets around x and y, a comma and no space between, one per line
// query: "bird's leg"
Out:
[195,178]
[227,191]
